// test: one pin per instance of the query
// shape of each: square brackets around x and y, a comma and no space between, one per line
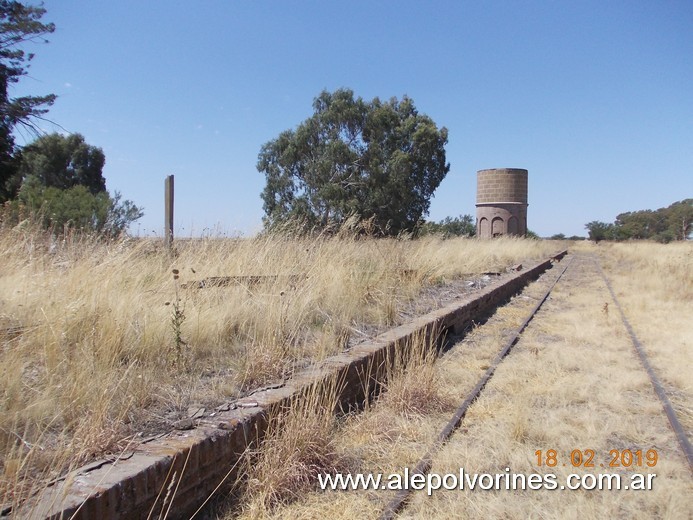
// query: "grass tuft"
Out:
[298,446]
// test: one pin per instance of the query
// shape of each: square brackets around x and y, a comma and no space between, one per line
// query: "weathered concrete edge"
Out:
[149,476]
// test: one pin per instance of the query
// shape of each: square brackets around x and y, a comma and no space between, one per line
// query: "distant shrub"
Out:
[462,226]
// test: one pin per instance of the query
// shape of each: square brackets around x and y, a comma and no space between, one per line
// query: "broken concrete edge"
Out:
[253,280]
[177,473]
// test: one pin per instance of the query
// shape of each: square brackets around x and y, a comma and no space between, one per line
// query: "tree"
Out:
[639,224]
[680,219]
[60,178]
[462,226]
[381,161]
[674,222]
[75,208]
[62,162]
[599,230]
[19,23]
[120,214]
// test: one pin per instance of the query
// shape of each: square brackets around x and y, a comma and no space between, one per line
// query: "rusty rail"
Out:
[426,461]
[676,425]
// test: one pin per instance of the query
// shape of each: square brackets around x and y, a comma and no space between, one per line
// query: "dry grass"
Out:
[298,445]
[572,382]
[91,354]
[308,440]
[654,285]
[412,388]
[575,384]
[396,430]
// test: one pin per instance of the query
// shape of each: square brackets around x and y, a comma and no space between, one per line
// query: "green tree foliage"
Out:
[19,23]
[62,162]
[674,222]
[561,236]
[76,208]
[379,160]
[680,219]
[60,179]
[599,231]
[462,226]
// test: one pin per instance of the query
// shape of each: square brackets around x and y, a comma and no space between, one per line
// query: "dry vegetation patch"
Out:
[575,385]
[654,284]
[397,429]
[298,445]
[573,382]
[102,341]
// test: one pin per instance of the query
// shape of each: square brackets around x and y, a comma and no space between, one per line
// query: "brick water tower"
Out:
[501,202]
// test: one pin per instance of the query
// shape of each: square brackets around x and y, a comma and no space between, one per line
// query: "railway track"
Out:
[424,465]
[676,425]
[130,487]
[398,504]
[534,304]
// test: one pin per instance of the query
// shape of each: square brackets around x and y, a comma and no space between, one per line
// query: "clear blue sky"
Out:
[593,97]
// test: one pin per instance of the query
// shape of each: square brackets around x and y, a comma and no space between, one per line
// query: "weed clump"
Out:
[177,354]
[299,446]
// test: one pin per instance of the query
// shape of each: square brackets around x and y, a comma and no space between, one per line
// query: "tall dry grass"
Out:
[303,440]
[572,382]
[99,341]
[299,444]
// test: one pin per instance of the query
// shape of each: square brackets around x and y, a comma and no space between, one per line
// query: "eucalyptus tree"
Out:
[379,161]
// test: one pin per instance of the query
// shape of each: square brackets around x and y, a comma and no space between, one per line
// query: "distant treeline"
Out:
[561,236]
[674,222]
[462,226]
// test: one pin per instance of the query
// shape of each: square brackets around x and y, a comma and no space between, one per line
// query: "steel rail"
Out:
[426,462]
[656,383]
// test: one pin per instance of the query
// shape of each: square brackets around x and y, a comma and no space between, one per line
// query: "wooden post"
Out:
[168,209]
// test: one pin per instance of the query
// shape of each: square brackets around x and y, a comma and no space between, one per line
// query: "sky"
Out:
[594,98]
